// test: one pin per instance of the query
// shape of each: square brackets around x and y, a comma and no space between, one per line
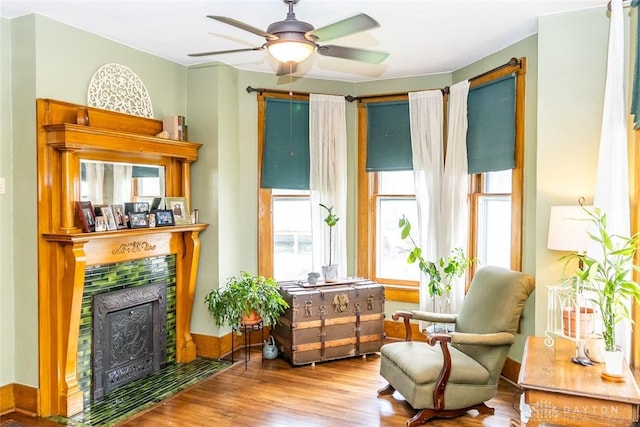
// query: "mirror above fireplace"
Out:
[110,183]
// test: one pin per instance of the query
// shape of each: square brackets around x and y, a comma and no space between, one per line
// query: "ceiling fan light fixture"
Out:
[290,51]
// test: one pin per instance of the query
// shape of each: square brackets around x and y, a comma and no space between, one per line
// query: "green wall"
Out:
[49,59]
[7,314]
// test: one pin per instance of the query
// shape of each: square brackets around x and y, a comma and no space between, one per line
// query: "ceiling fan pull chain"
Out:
[290,80]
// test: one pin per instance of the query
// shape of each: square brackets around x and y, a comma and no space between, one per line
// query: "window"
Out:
[493,201]
[394,197]
[292,249]
[284,220]
[495,196]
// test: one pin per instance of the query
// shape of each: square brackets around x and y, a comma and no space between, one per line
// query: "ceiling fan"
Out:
[292,41]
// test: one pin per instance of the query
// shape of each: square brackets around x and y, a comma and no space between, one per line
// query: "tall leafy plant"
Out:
[441,272]
[607,280]
[241,296]
[331,220]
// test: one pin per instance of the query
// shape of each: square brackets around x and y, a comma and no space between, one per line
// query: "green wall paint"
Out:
[24,197]
[7,293]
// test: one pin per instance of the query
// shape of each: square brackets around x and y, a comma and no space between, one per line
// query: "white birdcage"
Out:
[570,315]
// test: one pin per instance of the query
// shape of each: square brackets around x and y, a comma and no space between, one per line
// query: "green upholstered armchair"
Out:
[462,372]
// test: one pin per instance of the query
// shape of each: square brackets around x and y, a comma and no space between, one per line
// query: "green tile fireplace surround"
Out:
[101,279]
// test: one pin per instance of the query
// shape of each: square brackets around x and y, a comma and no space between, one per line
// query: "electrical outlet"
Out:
[3,186]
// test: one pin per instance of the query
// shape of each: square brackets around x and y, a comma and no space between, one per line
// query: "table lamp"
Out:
[568,229]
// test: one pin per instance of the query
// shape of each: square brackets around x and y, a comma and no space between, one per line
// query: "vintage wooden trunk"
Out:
[326,322]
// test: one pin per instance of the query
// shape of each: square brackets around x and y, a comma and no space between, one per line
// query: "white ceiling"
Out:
[421,36]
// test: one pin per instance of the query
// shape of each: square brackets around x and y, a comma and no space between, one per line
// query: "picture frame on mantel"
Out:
[119,216]
[180,208]
[138,220]
[164,218]
[107,213]
[87,216]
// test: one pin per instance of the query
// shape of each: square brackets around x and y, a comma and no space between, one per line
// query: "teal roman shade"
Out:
[144,172]
[285,160]
[491,135]
[388,136]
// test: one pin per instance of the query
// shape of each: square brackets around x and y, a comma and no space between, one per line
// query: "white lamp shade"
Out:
[290,51]
[568,228]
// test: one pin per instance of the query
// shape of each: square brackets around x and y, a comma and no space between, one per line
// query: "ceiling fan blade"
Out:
[285,68]
[220,52]
[355,24]
[243,26]
[363,55]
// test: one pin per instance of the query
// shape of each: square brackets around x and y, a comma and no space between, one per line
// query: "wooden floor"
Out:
[337,393]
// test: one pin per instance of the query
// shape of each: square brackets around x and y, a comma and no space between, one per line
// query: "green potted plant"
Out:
[243,296]
[607,281]
[330,271]
[440,273]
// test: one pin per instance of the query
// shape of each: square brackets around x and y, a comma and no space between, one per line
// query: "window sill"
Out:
[401,293]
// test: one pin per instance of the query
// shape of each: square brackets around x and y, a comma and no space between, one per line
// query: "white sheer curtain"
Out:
[612,180]
[453,229]
[122,183]
[95,182]
[328,177]
[426,120]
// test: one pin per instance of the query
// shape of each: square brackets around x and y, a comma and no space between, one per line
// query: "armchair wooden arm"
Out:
[426,316]
[443,378]
[406,317]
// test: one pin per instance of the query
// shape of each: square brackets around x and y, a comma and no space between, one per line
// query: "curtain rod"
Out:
[260,90]
[512,62]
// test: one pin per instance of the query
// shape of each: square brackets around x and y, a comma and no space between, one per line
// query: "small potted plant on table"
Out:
[330,271]
[246,300]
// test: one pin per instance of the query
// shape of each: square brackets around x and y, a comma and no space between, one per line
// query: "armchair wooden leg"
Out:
[421,417]
[425,415]
[484,409]
[386,390]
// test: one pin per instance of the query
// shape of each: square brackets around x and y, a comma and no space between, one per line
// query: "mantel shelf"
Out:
[113,234]
[73,137]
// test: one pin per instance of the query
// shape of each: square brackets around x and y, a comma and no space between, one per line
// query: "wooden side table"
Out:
[561,392]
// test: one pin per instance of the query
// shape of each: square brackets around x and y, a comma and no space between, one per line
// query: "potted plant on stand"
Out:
[441,273]
[607,282]
[246,300]
[330,271]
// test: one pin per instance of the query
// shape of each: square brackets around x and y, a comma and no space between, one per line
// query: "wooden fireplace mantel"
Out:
[67,133]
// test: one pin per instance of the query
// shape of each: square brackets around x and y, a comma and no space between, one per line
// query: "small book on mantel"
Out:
[176,126]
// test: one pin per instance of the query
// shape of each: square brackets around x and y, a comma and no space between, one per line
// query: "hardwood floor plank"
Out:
[274,394]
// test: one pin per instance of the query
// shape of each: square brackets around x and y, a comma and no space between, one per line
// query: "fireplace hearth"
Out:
[129,336]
